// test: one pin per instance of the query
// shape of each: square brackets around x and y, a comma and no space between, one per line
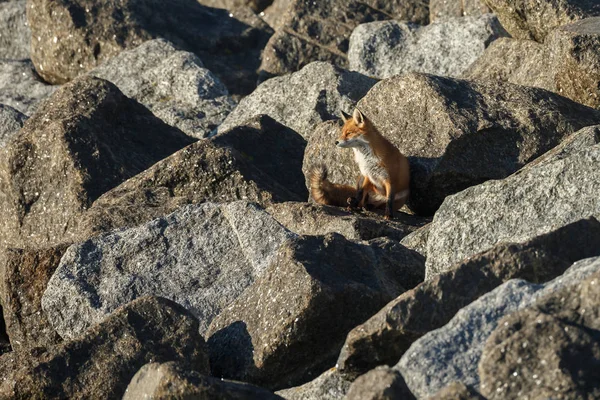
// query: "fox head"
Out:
[353,131]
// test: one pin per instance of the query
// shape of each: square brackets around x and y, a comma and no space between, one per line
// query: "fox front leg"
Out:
[389,205]
[362,191]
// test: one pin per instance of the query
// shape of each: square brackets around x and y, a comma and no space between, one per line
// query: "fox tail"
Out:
[325,192]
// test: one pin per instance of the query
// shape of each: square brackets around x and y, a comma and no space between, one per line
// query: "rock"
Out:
[15,36]
[223,168]
[201,257]
[313,219]
[275,14]
[417,240]
[170,380]
[457,391]
[319,31]
[330,385]
[386,336]
[442,9]
[148,329]
[531,19]
[291,322]
[71,37]
[173,84]
[255,5]
[527,204]
[302,100]
[21,87]
[452,353]
[381,383]
[549,350]
[24,276]
[11,121]
[448,47]
[456,133]
[83,141]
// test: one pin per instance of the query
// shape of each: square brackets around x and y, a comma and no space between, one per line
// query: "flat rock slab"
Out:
[173,84]
[15,36]
[102,362]
[289,325]
[83,141]
[448,47]
[21,87]
[530,203]
[71,37]
[202,257]
[300,101]
[453,352]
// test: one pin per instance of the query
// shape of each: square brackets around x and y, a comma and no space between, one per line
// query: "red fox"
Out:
[385,174]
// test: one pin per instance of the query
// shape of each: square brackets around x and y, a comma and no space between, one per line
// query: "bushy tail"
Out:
[325,192]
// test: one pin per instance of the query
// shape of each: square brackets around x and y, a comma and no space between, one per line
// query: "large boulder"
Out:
[289,326]
[83,141]
[227,167]
[318,31]
[318,92]
[442,9]
[532,202]
[549,350]
[448,47]
[173,84]
[173,381]
[330,385]
[21,87]
[533,19]
[71,37]
[456,133]
[201,257]
[11,121]
[102,362]
[453,352]
[386,336]
[14,31]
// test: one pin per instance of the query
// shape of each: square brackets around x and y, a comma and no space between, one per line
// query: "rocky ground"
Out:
[158,239]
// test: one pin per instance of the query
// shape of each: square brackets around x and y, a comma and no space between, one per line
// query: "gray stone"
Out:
[441,9]
[453,352]
[173,84]
[173,381]
[21,87]
[289,325]
[330,385]
[303,99]
[532,202]
[417,240]
[15,36]
[457,391]
[11,121]
[101,362]
[381,383]
[201,257]
[447,47]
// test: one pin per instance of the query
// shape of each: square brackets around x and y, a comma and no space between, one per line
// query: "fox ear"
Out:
[359,118]
[345,116]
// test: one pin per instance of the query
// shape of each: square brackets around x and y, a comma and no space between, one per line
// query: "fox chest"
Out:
[371,167]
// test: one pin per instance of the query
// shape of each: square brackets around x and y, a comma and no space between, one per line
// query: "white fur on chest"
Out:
[370,165]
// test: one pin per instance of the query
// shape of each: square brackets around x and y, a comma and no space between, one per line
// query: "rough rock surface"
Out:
[291,323]
[71,37]
[11,121]
[457,391]
[532,202]
[319,31]
[457,133]
[330,385]
[24,276]
[15,36]
[173,84]
[386,336]
[201,257]
[448,47]
[453,352]
[550,350]
[21,87]
[533,19]
[101,363]
[576,142]
[303,99]
[381,383]
[83,141]
[172,381]
[313,219]
[417,240]
[442,9]
[255,5]
[227,167]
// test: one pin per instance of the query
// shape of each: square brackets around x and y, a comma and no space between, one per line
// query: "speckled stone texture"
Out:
[442,9]
[381,383]
[447,47]
[15,37]
[21,87]
[255,5]
[11,121]
[173,84]
[330,385]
